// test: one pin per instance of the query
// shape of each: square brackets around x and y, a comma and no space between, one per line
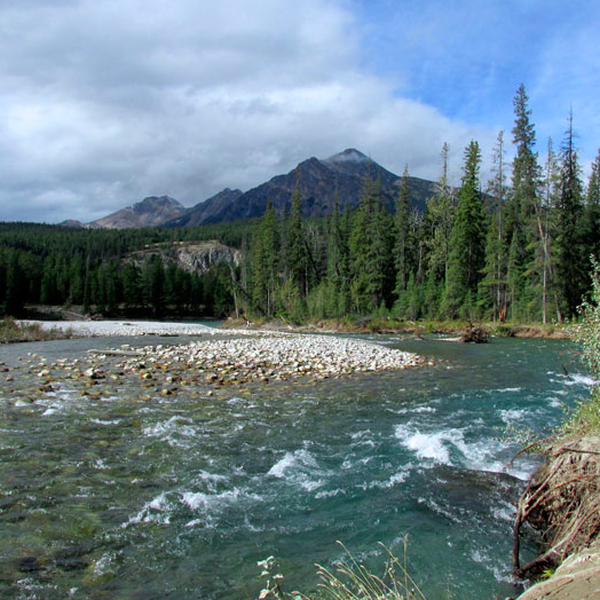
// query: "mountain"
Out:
[150,212]
[318,181]
[202,212]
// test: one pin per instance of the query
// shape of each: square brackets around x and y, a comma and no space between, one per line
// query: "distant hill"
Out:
[150,212]
[318,180]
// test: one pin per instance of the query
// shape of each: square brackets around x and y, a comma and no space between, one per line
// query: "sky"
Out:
[105,102]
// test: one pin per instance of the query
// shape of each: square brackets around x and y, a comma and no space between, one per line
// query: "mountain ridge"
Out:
[320,182]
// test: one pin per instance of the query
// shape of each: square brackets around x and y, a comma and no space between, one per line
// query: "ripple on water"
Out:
[299,468]
[176,431]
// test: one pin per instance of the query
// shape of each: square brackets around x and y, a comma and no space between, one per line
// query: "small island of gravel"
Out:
[218,357]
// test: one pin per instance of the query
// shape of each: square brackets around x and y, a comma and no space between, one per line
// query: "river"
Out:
[180,496]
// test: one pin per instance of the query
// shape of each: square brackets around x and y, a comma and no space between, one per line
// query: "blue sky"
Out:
[467,58]
[107,102]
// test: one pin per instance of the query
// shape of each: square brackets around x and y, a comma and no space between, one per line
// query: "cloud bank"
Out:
[106,102]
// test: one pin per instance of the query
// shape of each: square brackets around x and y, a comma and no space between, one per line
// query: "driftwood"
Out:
[115,352]
[564,502]
[476,335]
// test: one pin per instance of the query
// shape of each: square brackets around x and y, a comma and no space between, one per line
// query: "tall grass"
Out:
[348,579]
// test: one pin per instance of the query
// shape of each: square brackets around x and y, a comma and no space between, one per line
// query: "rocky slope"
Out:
[150,212]
[320,181]
[194,257]
[206,211]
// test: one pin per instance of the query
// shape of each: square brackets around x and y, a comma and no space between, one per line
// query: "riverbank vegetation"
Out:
[348,579]
[12,331]
[563,499]
[515,248]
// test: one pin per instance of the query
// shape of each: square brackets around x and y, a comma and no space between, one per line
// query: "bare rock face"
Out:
[199,257]
[150,212]
[194,257]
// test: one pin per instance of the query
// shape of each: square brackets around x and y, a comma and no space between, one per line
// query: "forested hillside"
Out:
[524,256]
[112,272]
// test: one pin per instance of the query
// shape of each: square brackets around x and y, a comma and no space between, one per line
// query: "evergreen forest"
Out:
[515,248]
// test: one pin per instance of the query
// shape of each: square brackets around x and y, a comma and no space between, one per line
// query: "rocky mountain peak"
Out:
[348,155]
[150,212]
[153,202]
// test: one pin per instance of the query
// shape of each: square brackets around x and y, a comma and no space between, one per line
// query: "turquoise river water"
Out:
[179,497]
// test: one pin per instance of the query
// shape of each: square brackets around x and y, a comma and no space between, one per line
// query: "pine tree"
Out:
[544,213]
[467,253]
[493,285]
[402,232]
[295,253]
[440,214]
[592,212]
[520,207]
[571,265]
[14,292]
[370,250]
[264,263]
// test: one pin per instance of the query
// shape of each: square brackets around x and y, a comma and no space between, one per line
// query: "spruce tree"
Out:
[467,252]
[520,207]
[402,232]
[571,265]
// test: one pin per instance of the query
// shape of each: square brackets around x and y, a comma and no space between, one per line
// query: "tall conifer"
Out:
[467,252]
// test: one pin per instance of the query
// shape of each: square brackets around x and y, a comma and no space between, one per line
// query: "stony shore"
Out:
[124,328]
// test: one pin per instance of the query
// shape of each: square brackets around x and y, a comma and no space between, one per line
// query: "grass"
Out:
[585,420]
[347,580]
[12,331]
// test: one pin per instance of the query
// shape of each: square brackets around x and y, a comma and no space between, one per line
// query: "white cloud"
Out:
[106,102]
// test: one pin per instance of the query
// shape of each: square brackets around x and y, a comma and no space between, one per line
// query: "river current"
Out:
[180,496]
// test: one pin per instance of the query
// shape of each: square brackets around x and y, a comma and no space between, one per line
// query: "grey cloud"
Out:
[106,102]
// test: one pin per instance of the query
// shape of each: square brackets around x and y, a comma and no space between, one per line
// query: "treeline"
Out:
[98,270]
[522,254]
[517,248]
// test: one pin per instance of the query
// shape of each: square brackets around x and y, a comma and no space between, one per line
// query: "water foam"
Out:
[579,379]
[155,511]
[511,415]
[171,430]
[448,447]
[434,446]
[298,468]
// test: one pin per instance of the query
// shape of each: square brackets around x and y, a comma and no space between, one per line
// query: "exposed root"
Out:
[563,500]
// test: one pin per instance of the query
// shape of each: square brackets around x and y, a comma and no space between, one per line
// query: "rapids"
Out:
[180,496]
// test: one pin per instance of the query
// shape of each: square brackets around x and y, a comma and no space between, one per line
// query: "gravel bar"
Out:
[238,361]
